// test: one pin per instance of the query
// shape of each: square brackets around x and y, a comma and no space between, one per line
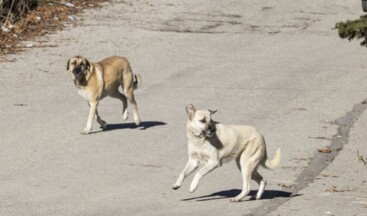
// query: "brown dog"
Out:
[98,80]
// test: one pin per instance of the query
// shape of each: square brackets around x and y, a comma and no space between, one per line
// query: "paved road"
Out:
[278,66]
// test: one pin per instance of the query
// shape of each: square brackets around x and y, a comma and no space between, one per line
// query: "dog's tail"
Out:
[272,164]
[137,81]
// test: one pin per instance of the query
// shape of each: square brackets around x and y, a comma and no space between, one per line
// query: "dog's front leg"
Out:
[92,113]
[203,171]
[100,121]
[189,168]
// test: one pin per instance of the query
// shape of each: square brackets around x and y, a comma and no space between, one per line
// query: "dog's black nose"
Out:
[213,130]
[77,71]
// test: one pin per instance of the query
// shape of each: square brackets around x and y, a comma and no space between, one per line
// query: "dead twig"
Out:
[319,137]
[3,59]
[335,190]
[361,158]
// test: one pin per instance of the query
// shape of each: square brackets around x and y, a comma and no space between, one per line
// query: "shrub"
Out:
[354,29]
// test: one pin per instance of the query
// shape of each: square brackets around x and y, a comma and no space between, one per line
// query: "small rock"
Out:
[68,4]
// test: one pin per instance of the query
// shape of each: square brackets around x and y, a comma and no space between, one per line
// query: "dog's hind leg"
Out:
[262,183]
[116,94]
[189,168]
[257,178]
[129,91]
[248,166]
[238,163]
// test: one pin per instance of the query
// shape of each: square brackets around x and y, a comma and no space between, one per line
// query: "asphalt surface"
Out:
[278,66]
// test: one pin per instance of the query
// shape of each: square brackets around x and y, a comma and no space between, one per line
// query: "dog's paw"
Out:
[136,119]
[194,185]
[234,200]
[193,189]
[239,199]
[175,187]
[85,132]
[103,125]
[137,122]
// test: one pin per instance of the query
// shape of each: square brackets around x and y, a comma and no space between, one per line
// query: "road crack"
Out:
[320,161]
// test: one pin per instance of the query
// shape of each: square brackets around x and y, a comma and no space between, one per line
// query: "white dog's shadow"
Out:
[268,194]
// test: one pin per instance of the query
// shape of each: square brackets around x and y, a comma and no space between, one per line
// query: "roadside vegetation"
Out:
[23,20]
[354,29]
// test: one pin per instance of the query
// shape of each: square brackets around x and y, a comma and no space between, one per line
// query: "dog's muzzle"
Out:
[210,132]
[78,72]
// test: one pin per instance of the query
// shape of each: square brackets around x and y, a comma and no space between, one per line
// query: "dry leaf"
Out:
[325,150]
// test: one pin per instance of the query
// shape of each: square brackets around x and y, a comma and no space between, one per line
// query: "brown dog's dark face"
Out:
[78,66]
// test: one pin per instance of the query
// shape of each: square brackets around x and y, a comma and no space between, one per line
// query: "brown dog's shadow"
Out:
[268,194]
[143,126]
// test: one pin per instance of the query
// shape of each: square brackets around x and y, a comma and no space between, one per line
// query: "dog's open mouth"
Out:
[79,78]
[209,133]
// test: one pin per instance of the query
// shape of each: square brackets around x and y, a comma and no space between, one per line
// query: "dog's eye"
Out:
[203,120]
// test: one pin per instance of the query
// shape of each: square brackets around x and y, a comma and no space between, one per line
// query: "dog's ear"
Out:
[190,110]
[212,112]
[87,65]
[67,66]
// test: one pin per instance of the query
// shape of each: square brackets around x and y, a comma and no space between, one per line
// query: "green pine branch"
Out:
[354,29]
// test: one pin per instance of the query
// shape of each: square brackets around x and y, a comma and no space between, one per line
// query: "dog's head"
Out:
[200,121]
[79,67]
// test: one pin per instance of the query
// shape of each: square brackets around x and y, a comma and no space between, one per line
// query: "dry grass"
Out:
[23,23]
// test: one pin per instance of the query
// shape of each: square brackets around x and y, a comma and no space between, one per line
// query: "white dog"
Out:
[212,144]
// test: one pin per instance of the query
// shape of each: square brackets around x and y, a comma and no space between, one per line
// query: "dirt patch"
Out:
[49,16]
